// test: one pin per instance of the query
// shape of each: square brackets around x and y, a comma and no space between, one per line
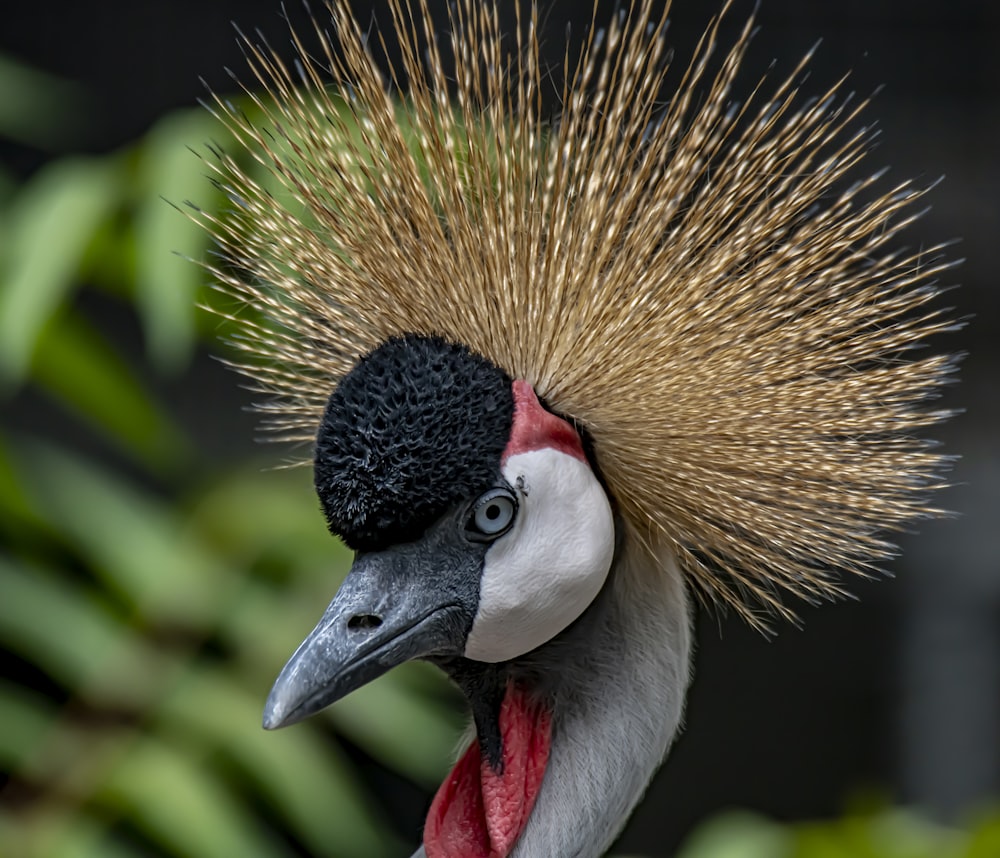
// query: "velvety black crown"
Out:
[416,427]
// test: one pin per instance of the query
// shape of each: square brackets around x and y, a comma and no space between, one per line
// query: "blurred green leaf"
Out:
[136,543]
[37,108]
[79,368]
[59,832]
[72,634]
[295,770]
[254,510]
[170,794]
[984,841]
[877,832]
[887,833]
[903,833]
[738,834]
[47,230]
[167,240]
[26,718]
[16,508]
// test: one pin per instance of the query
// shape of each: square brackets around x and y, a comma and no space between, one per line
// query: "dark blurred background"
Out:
[895,695]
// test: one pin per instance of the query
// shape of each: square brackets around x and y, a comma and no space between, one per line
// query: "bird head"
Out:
[481,530]
[707,285]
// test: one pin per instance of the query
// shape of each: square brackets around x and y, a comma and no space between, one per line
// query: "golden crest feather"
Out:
[694,282]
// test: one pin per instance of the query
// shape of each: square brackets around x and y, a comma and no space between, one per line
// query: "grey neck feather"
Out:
[616,711]
[618,696]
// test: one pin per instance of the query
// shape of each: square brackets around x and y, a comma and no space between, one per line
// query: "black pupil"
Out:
[493,512]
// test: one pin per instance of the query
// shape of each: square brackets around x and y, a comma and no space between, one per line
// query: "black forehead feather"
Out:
[418,425]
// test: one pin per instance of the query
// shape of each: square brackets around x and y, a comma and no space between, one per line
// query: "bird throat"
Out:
[483,805]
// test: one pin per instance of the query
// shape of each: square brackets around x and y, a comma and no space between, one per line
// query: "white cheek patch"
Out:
[543,573]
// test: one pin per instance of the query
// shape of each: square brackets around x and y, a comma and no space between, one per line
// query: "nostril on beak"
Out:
[364,621]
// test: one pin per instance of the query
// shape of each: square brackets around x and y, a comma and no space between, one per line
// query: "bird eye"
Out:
[492,515]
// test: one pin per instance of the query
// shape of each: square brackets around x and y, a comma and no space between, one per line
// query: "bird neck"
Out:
[616,706]
[611,690]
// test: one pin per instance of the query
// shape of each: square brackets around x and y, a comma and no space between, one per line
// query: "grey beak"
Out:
[393,606]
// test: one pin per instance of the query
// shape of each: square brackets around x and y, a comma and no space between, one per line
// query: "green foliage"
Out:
[874,833]
[37,108]
[149,598]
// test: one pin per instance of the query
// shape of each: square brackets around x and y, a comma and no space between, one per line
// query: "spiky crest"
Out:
[693,283]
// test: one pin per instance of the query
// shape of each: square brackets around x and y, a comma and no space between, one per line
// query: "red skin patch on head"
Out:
[478,813]
[535,428]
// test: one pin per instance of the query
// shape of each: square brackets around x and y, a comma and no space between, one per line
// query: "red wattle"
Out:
[478,813]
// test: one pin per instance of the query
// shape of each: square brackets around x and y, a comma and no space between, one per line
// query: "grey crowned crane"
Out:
[561,373]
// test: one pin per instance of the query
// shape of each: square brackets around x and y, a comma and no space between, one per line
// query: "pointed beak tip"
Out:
[275,715]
